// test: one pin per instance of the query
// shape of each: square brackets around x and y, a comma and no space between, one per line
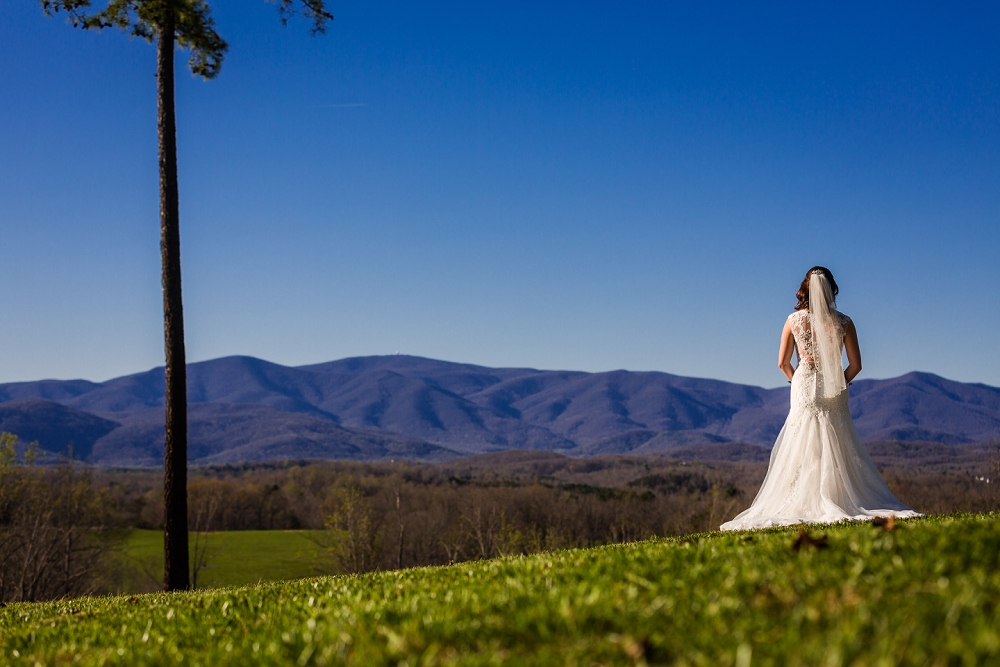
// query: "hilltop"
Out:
[921,593]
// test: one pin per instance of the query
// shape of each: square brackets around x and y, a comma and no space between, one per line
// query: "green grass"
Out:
[237,558]
[927,593]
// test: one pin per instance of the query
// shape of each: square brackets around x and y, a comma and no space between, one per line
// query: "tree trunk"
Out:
[175,531]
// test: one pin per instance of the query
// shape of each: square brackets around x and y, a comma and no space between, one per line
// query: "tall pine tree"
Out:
[189,25]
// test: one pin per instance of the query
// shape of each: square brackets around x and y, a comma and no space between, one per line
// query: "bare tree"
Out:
[992,478]
[485,520]
[352,539]
[402,530]
[52,538]
[205,508]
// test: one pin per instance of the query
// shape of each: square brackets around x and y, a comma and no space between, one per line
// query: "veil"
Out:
[827,345]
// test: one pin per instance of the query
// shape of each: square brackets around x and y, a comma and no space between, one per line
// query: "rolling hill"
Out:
[373,408]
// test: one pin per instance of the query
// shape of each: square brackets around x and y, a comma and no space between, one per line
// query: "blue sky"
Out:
[559,185]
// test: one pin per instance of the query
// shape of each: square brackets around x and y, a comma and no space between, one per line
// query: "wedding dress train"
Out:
[819,472]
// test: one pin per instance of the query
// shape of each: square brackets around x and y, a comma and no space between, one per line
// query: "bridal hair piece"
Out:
[802,294]
[827,345]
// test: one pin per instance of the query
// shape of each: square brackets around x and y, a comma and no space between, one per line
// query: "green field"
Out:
[236,558]
[926,593]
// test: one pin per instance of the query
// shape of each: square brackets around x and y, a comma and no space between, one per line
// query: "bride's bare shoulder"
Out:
[846,323]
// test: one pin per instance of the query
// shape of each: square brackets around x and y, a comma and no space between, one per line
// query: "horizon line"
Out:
[462,363]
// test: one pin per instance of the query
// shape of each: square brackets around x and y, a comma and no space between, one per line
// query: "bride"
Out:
[819,470]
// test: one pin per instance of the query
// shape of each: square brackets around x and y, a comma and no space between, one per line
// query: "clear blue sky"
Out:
[559,185]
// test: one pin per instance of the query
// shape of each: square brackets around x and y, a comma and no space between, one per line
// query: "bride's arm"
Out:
[853,352]
[785,351]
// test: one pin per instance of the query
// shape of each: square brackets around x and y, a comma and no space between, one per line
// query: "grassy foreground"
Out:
[237,558]
[926,593]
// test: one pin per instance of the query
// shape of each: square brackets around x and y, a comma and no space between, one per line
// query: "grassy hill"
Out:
[924,593]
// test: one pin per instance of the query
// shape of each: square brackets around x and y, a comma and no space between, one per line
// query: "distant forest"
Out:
[379,516]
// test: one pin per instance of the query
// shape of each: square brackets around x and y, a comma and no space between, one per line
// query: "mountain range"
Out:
[384,407]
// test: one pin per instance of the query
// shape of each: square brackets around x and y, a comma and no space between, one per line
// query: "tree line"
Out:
[387,516]
[61,525]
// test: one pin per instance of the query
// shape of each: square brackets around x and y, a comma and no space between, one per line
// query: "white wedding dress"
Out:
[819,471]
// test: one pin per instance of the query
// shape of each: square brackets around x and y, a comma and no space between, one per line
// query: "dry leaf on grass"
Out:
[804,539]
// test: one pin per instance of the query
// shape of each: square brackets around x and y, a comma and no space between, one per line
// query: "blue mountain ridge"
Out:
[382,407]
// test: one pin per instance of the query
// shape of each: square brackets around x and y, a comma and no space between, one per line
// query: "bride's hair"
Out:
[803,293]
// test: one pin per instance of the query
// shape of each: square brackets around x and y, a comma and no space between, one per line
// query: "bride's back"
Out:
[801,324]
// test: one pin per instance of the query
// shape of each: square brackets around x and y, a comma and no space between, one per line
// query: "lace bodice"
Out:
[802,333]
